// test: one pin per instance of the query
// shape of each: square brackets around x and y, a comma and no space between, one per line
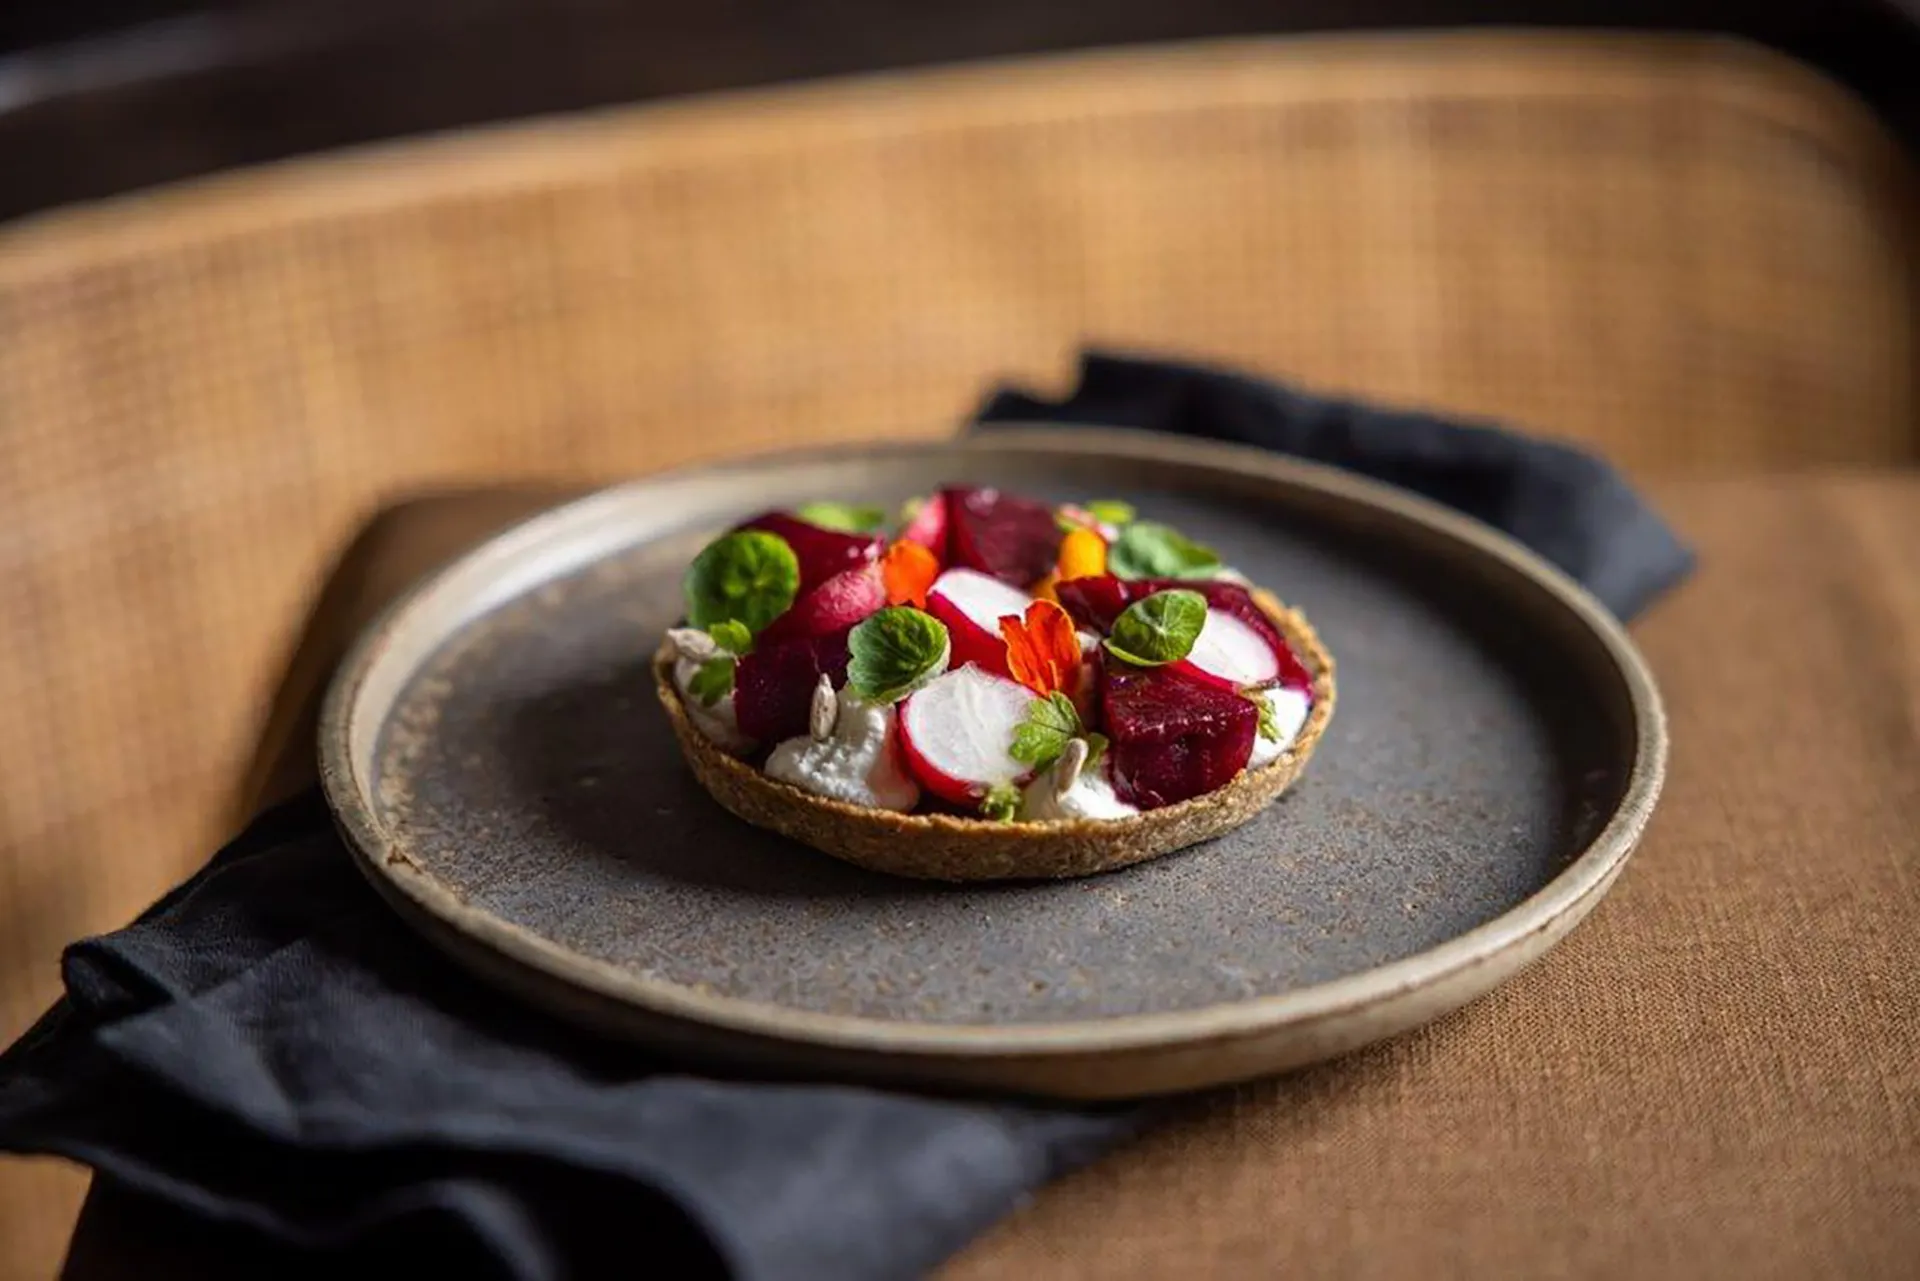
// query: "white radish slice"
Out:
[958,733]
[1230,652]
[972,604]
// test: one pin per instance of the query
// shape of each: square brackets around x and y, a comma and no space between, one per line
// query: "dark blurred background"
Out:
[99,96]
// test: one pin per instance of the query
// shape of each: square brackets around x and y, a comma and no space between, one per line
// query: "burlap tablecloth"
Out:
[1718,1075]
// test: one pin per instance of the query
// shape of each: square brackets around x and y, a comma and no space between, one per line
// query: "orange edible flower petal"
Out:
[1043,649]
[908,570]
[1083,554]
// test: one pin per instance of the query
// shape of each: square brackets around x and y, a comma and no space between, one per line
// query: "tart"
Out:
[985,687]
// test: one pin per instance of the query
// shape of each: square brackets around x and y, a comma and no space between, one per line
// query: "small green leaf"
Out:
[1096,748]
[1160,628]
[732,636]
[1146,549]
[1269,727]
[1051,724]
[1001,802]
[1094,515]
[749,577]
[713,681]
[843,517]
[895,652]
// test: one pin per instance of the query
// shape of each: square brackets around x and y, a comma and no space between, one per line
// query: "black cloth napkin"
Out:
[269,1049]
[1567,505]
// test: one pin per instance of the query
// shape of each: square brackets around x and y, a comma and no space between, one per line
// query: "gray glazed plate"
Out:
[495,756]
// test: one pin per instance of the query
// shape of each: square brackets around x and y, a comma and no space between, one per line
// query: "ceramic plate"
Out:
[496,757]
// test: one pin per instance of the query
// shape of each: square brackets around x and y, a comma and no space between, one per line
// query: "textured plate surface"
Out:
[495,752]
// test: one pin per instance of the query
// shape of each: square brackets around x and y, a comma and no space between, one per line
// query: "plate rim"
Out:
[1499,946]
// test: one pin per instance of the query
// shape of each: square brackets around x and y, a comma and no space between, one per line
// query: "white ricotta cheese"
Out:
[1091,796]
[859,763]
[1290,707]
[718,723]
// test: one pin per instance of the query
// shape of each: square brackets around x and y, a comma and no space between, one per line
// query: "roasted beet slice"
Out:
[1094,602]
[1173,737]
[822,552]
[1013,539]
[773,686]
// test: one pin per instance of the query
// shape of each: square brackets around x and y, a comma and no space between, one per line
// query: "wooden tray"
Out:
[495,755]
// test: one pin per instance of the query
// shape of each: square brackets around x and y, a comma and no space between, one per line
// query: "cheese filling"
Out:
[859,762]
[717,723]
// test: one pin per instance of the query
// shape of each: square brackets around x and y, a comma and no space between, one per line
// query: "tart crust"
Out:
[943,847]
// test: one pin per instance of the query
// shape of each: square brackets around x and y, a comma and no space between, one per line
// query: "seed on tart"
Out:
[986,687]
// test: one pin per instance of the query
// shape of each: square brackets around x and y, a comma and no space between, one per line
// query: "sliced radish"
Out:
[1230,652]
[972,604]
[833,606]
[958,730]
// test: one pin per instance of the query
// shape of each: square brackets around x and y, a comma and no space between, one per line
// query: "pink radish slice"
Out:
[929,526]
[1230,652]
[958,730]
[972,604]
[834,605]
[1096,602]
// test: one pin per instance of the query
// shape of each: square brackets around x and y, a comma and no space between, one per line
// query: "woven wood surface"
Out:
[1692,255]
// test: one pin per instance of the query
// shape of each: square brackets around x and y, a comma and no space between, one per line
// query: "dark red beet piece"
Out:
[1173,737]
[1013,539]
[1094,602]
[773,686]
[822,552]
